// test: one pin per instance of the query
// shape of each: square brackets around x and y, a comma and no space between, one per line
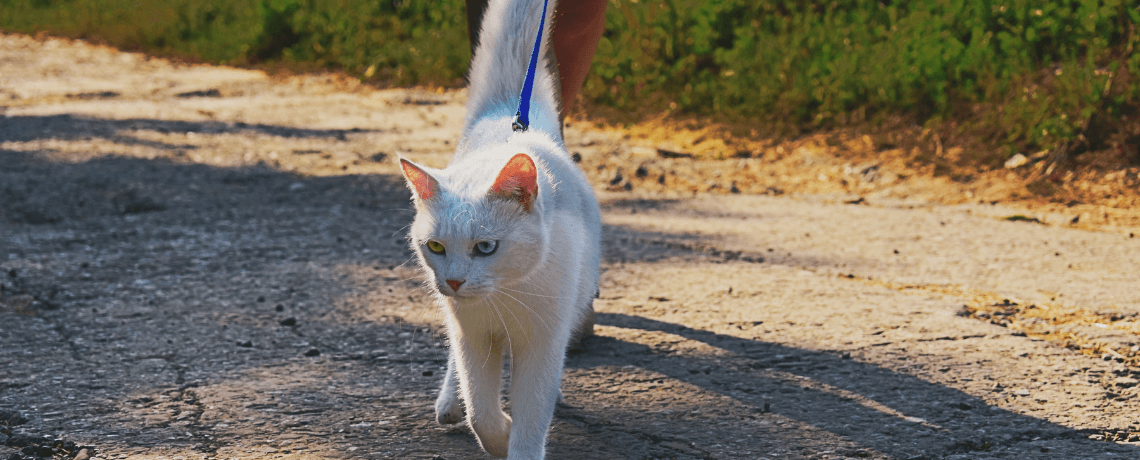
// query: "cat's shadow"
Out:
[821,401]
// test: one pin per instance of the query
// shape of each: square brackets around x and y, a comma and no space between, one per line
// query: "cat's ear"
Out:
[518,181]
[421,183]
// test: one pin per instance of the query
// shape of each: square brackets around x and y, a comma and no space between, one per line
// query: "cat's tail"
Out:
[506,39]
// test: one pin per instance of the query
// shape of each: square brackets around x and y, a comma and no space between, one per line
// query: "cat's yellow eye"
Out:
[435,246]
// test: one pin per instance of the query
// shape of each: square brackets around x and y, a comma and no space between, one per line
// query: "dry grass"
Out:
[894,158]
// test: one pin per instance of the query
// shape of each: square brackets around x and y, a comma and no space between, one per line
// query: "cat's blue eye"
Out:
[486,248]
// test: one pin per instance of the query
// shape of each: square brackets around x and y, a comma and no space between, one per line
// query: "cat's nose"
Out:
[455,284]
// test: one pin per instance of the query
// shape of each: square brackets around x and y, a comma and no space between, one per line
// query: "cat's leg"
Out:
[536,375]
[448,406]
[585,328]
[479,365]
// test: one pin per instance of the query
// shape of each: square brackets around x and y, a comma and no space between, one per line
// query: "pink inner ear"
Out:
[518,181]
[423,184]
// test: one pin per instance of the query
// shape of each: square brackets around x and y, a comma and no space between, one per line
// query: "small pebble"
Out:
[617,178]
[82,455]
[313,352]
[279,307]
[1016,161]
[290,321]
[246,344]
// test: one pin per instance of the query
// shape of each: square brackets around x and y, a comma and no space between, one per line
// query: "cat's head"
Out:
[477,230]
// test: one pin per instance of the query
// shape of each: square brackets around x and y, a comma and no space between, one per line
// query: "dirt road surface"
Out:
[204,262]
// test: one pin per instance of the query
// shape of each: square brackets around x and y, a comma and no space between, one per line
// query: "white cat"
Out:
[508,236]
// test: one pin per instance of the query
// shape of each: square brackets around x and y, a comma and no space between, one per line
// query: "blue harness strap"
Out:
[522,116]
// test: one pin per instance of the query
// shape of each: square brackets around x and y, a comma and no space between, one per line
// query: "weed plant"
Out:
[1030,75]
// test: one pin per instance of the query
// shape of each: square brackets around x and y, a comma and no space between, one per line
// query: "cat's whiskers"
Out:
[502,290]
[490,344]
[522,327]
[532,311]
[506,330]
[404,231]
[534,294]
[423,286]
[411,259]
[426,286]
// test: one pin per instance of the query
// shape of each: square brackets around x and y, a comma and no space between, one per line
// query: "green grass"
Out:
[1027,74]
[390,42]
[1033,69]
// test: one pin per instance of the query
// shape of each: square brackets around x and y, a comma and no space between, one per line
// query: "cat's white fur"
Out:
[535,290]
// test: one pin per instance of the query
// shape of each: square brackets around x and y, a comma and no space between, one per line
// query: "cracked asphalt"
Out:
[205,262]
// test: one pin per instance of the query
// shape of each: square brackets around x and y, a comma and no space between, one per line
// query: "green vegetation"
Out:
[390,42]
[1028,75]
[1029,72]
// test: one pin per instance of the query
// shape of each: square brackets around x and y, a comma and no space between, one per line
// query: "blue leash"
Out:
[522,116]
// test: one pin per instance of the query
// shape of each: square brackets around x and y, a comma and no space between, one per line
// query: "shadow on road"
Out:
[171,285]
[876,408]
[24,128]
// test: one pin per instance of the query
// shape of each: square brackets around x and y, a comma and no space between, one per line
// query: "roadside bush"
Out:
[1030,74]
[1031,70]
[217,31]
[393,42]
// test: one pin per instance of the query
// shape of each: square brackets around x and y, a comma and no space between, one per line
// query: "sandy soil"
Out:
[204,262]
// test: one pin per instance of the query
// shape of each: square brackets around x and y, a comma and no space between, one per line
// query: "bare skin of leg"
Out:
[578,25]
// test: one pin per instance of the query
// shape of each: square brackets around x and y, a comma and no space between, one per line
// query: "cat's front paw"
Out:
[448,410]
[493,435]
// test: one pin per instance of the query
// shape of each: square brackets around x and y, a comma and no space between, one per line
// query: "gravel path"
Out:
[202,262]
